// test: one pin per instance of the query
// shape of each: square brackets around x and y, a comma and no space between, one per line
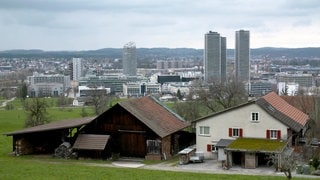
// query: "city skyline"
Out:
[96,24]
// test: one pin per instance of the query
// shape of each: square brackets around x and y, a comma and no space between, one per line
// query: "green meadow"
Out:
[38,167]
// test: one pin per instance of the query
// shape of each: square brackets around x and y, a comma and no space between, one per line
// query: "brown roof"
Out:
[153,114]
[283,111]
[91,142]
[54,126]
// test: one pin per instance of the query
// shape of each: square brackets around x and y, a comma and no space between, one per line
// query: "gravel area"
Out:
[208,166]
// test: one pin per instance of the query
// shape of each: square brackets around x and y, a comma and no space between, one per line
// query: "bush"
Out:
[315,163]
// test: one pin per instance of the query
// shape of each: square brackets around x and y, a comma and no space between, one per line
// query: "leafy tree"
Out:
[36,109]
[24,91]
[315,163]
[179,95]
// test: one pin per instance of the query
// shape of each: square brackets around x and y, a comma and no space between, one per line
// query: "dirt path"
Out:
[4,103]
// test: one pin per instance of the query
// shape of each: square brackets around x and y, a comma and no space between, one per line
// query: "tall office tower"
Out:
[223,59]
[242,56]
[129,59]
[76,69]
[214,60]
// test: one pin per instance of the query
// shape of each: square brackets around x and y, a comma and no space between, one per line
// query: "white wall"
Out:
[237,118]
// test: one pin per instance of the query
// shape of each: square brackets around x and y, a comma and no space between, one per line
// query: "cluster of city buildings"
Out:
[84,75]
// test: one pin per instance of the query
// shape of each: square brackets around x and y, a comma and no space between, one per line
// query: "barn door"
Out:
[132,145]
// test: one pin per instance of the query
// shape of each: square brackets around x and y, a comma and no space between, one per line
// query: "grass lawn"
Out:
[26,168]
[29,167]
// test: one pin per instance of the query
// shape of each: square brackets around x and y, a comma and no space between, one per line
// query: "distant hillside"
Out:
[163,53]
[309,52]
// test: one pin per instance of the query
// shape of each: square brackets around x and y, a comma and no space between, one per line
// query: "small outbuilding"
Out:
[249,153]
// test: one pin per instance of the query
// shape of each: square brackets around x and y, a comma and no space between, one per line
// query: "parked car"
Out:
[315,142]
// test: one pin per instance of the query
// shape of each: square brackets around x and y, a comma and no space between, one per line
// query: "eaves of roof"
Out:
[64,124]
[224,111]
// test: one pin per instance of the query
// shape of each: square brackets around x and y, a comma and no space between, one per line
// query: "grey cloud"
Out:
[100,23]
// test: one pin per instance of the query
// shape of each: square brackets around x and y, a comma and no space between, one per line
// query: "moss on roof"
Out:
[257,145]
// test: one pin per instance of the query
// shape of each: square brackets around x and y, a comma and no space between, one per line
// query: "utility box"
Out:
[198,156]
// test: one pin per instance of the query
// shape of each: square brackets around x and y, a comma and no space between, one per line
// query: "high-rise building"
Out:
[223,59]
[214,57]
[242,55]
[129,59]
[76,69]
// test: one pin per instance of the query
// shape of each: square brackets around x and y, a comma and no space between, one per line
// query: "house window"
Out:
[153,146]
[235,132]
[211,148]
[254,116]
[204,130]
[273,134]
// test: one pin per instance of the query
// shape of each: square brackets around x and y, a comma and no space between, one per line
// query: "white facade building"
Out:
[41,85]
[141,88]
[269,118]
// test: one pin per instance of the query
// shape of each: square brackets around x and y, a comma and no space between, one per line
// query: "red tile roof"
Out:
[284,107]
[155,115]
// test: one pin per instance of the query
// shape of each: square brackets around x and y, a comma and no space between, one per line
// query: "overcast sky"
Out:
[95,24]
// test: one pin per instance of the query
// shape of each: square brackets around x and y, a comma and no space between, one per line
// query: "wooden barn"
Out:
[140,127]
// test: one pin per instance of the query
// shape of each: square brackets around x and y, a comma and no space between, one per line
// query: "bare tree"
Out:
[36,109]
[189,110]
[222,95]
[286,163]
[100,101]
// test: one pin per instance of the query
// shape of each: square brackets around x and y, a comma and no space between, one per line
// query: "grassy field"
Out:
[29,167]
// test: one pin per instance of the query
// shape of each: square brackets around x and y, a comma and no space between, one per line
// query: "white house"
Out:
[269,119]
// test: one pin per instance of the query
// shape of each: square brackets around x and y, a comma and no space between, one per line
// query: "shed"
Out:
[221,145]
[247,152]
[45,138]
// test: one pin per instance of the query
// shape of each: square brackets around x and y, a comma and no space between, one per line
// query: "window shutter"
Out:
[268,134]
[230,132]
[279,134]
[209,147]
[240,133]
